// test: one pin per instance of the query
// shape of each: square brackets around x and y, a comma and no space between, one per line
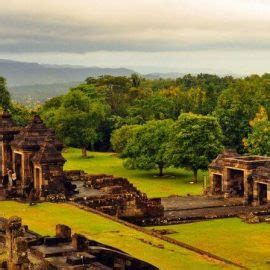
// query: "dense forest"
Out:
[161,122]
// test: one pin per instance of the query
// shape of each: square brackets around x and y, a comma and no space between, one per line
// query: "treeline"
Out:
[88,114]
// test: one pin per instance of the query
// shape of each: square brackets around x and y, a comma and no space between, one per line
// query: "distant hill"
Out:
[20,73]
[31,95]
[169,75]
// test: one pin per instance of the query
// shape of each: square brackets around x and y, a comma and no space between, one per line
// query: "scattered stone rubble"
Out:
[28,250]
[116,196]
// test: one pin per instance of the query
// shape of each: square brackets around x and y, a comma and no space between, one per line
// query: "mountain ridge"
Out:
[24,73]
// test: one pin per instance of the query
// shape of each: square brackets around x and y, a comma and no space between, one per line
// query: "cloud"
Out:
[81,26]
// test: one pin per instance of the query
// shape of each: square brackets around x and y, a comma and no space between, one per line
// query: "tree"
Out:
[5,100]
[136,80]
[258,141]
[195,101]
[120,137]
[77,120]
[236,106]
[91,80]
[211,85]
[146,149]
[115,90]
[155,107]
[195,140]
[20,114]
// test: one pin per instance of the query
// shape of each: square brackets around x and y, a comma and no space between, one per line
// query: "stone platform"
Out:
[179,210]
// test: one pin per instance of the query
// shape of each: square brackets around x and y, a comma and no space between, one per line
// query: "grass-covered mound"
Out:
[42,218]
[176,181]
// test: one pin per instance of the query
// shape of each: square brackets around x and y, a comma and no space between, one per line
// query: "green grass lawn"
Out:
[42,218]
[247,244]
[176,183]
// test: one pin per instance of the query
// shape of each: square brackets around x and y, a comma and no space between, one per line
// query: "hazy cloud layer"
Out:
[81,26]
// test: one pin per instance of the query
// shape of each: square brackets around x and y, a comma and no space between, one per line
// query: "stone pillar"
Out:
[6,157]
[3,158]
[16,245]
[79,242]
[255,195]
[226,182]
[268,193]
[63,231]
[26,170]
[246,185]
[211,177]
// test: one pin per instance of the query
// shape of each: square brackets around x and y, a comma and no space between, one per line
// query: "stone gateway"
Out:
[247,177]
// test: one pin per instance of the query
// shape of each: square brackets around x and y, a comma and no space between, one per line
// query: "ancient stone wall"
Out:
[119,197]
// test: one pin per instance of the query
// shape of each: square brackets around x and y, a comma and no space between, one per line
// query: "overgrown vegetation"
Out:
[90,113]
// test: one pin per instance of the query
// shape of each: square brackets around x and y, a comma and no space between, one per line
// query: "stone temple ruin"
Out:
[115,196]
[23,249]
[34,153]
[246,177]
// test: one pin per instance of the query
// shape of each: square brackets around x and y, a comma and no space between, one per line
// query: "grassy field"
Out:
[247,244]
[42,218]
[175,183]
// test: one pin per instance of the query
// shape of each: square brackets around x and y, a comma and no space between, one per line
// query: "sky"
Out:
[229,36]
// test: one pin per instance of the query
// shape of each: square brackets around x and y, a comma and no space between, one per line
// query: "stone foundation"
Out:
[118,196]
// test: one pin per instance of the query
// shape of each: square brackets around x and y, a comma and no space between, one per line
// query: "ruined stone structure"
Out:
[34,153]
[8,129]
[247,177]
[114,196]
[28,250]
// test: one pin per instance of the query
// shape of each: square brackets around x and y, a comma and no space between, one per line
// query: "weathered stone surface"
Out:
[34,153]
[119,197]
[248,177]
[63,231]
[28,251]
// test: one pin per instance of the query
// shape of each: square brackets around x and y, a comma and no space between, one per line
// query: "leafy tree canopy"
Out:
[236,106]
[195,141]
[258,141]
[146,149]
[5,100]
[77,120]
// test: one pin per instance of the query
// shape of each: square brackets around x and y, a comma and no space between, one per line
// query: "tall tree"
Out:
[146,149]
[195,140]
[236,106]
[258,141]
[5,100]
[77,120]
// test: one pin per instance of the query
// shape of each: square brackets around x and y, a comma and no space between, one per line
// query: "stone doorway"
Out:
[18,166]
[37,178]
[236,180]
[217,184]
[262,193]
